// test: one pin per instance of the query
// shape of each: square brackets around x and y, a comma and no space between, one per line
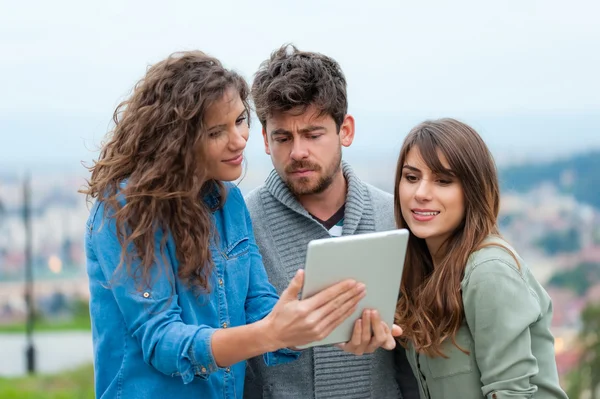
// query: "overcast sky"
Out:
[524,73]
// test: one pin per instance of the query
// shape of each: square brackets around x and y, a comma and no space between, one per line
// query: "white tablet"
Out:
[374,259]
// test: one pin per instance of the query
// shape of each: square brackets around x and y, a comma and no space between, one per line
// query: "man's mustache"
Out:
[301,165]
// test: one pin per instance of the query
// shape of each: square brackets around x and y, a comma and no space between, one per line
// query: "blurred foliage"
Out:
[578,279]
[586,379]
[74,384]
[76,318]
[577,175]
[560,241]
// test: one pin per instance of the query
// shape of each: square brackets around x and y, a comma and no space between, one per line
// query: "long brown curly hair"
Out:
[157,147]
[430,308]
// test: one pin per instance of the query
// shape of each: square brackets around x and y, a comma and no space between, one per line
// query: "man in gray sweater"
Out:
[300,99]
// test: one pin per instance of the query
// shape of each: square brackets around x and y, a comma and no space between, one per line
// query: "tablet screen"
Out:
[374,259]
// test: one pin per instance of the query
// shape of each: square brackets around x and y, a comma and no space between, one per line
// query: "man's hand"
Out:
[371,333]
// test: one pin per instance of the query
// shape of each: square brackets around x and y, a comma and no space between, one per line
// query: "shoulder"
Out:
[253,199]
[98,213]
[497,276]
[383,207]
[234,200]
[104,210]
[232,192]
[254,194]
[494,259]
[379,197]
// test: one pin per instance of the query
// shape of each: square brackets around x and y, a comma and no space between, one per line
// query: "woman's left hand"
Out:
[371,333]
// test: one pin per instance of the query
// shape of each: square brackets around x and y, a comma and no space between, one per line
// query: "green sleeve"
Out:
[499,308]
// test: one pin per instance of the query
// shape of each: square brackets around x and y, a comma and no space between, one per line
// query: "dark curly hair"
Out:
[157,147]
[292,80]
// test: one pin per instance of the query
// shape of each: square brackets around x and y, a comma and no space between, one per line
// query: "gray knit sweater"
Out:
[283,229]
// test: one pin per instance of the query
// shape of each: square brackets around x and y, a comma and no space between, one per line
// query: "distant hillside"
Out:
[578,175]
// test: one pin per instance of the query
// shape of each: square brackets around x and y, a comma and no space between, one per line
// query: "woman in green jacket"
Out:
[476,322]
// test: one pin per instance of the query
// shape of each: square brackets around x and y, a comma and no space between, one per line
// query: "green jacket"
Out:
[506,331]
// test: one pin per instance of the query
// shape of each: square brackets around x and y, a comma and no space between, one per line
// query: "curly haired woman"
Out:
[179,295]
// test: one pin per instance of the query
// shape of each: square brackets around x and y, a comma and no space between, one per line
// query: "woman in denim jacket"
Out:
[476,322]
[179,294]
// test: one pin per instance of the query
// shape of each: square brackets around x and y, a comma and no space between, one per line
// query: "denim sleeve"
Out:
[262,297]
[499,308]
[150,311]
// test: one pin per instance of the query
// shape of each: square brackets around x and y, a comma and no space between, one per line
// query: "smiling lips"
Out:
[424,215]
[235,160]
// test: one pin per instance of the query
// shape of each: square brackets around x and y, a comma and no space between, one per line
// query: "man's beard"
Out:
[301,186]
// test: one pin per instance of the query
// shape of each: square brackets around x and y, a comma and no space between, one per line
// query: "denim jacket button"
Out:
[221,281]
[203,369]
[228,369]
[146,295]
[224,325]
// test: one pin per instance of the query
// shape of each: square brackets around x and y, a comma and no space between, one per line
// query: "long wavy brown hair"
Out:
[430,308]
[151,170]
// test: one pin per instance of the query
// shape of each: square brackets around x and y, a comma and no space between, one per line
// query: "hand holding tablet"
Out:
[374,259]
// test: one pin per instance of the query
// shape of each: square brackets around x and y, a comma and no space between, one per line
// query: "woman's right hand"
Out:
[294,322]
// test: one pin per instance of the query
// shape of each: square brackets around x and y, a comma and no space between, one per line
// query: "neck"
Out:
[325,204]
[434,246]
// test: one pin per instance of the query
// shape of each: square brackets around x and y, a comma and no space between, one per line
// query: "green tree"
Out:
[563,241]
[583,167]
[578,279]
[588,376]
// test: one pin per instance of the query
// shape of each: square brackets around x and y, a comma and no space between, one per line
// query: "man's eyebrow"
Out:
[311,128]
[304,130]
[280,131]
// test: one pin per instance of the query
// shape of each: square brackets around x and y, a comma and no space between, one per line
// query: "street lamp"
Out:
[30,348]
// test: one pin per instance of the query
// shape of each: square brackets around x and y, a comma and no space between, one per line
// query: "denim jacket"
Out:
[155,342]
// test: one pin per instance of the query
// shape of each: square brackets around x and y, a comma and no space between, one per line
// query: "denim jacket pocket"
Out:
[457,362]
[238,248]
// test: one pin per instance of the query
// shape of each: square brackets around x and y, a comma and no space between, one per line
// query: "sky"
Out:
[523,73]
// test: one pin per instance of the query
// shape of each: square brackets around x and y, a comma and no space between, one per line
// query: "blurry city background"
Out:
[524,74]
